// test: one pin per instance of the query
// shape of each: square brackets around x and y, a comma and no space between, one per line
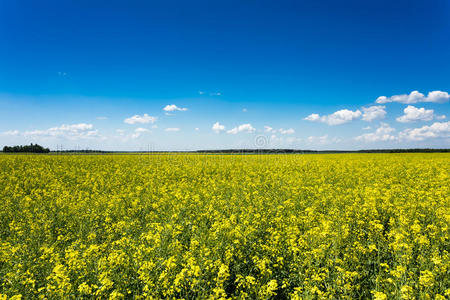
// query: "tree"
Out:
[32,148]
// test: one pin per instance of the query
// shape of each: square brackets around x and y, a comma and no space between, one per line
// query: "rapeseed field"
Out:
[185,226]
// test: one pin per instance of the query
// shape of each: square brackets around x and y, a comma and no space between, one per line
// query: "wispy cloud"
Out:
[322,140]
[81,130]
[144,119]
[210,94]
[275,141]
[269,129]
[11,133]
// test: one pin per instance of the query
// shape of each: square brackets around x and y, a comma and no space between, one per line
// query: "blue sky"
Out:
[231,74]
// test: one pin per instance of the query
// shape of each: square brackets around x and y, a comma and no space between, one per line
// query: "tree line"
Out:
[32,148]
[296,151]
[35,148]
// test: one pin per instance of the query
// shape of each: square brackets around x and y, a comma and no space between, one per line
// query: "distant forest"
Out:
[281,151]
[35,148]
[32,148]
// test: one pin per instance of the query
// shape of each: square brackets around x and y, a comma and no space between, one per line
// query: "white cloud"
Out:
[415,97]
[367,128]
[197,129]
[173,129]
[173,107]
[201,92]
[372,113]
[101,118]
[144,119]
[383,133]
[413,114]
[138,132]
[217,127]
[337,118]
[269,129]
[11,132]
[438,97]
[313,118]
[286,131]
[82,130]
[437,130]
[248,128]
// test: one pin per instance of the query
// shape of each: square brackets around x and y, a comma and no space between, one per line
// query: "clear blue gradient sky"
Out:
[255,74]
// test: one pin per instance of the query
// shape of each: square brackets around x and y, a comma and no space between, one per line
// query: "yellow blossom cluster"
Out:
[187,226]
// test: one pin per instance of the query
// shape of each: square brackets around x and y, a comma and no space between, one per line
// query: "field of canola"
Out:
[190,226]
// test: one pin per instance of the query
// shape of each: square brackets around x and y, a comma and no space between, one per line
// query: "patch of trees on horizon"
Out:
[32,148]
